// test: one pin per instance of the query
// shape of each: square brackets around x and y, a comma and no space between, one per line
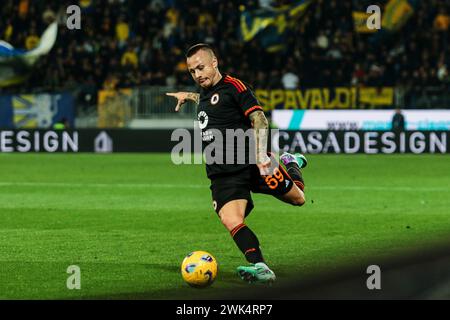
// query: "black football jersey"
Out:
[222,110]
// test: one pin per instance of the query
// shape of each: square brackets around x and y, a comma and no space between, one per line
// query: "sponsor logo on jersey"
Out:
[202,119]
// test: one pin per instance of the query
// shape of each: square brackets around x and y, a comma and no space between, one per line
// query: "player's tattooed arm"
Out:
[193,96]
[261,127]
[182,97]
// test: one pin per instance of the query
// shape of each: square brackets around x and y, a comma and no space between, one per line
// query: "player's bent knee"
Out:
[231,221]
[232,214]
[298,200]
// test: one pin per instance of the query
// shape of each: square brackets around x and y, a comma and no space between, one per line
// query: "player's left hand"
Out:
[264,165]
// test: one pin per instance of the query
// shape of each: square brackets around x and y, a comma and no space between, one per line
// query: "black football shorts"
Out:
[239,185]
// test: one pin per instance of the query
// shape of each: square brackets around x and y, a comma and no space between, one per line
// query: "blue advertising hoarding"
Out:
[36,111]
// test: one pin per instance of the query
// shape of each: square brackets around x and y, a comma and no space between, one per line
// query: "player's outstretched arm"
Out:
[261,127]
[182,97]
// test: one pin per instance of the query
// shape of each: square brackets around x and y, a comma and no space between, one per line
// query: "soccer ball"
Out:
[199,269]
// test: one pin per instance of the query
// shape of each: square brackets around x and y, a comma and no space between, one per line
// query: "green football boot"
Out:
[300,159]
[259,273]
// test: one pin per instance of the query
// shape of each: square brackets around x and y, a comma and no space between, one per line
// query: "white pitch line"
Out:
[374,188]
[97,185]
[199,186]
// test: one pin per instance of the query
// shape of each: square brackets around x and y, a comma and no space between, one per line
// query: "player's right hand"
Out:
[181,98]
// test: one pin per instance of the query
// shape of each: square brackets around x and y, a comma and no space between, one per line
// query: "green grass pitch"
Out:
[128,220]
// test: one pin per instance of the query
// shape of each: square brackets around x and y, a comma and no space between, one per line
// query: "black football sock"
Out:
[294,172]
[247,242]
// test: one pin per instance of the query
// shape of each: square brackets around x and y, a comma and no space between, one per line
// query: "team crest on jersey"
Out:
[215,98]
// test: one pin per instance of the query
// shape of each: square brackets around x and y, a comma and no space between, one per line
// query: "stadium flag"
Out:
[270,26]
[15,64]
[396,14]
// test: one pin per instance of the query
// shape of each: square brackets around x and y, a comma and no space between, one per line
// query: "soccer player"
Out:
[224,103]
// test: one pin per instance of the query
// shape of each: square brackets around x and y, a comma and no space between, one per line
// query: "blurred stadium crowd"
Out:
[125,43]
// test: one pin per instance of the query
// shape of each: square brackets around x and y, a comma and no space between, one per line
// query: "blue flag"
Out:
[15,64]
